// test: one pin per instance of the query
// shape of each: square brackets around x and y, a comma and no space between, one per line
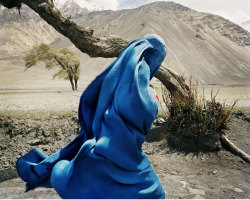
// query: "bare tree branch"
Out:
[81,37]
[234,149]
[86,42]
[172,83]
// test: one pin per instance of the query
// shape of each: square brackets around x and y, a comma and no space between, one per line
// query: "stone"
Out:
[159,121]
[45,148]
[184,184]
[215,172]
[238,190]
[5,164]
[3,159]
[32,134]
[34,142]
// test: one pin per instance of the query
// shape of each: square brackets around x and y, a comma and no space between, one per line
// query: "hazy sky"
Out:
[237,11]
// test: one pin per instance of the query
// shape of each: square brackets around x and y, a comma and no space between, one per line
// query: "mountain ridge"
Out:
[73,9]
[207,46]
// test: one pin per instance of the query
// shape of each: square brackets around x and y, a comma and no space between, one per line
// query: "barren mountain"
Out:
[72,9]
[19,33]
[206,46]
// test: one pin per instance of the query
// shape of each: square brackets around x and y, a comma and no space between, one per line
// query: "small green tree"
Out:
[66,61]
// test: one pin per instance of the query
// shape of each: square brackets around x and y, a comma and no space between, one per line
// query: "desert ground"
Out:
[218,174]
[47,98]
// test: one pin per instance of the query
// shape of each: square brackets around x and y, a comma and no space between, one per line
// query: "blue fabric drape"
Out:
[116,112]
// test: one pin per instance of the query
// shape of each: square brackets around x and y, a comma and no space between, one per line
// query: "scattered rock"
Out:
[45,148]
[5,164]
[199,36]
[184,183]
[34,142]
[3,159]
[238,190]
[215,172]
[32,134]
[159,121]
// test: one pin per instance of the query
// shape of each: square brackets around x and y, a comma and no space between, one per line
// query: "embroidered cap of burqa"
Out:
[116,112]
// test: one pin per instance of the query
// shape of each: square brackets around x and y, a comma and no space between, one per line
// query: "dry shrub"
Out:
[193,115]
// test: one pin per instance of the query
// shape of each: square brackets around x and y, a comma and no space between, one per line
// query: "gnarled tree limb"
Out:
[81,37]
[234,149]
[86,42]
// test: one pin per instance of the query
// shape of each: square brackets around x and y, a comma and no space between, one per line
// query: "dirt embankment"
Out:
[183,175]
[22,131]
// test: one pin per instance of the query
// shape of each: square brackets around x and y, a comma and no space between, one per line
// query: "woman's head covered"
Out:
[155,56]
[124,88]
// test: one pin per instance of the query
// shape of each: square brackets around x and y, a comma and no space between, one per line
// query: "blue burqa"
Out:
[116,112]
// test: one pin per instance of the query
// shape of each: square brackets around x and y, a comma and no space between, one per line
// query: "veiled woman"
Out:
[116,112]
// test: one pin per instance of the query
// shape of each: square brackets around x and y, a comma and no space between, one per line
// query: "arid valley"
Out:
[38,112]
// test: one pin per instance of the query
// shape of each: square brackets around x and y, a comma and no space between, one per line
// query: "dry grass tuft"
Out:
[193,115]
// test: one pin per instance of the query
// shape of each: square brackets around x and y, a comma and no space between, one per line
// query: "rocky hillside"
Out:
[72,9]
[206,46]
[19,33]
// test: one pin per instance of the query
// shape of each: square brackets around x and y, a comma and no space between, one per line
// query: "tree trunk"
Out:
[171,81]
[72,84]
[86,42]
[75,84]
[234,149]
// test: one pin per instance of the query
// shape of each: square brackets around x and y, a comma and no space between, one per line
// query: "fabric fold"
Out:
[116,112]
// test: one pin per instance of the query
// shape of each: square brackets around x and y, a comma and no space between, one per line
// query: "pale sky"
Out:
[237,11]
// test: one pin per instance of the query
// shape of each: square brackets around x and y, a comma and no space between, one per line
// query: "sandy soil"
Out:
[39,100]
[47,98]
